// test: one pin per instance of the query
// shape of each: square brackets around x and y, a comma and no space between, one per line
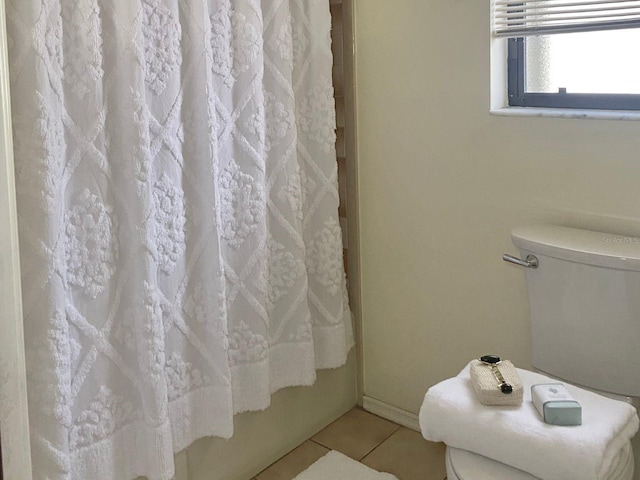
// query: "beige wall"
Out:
[442,183]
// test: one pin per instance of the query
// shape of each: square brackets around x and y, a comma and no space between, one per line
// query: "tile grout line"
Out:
[369,451]
[360,459]
[320,444]
[380,443]
[312,440]
[283,456]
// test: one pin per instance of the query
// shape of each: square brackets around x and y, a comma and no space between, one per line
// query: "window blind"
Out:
[520,18]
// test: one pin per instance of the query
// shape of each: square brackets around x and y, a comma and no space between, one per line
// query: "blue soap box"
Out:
[555,404]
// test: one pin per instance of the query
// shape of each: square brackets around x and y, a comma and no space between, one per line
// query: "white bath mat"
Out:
[336,466]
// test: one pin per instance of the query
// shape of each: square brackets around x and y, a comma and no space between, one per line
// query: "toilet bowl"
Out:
[464,465]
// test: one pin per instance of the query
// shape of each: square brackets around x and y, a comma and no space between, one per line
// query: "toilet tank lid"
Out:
[581,246]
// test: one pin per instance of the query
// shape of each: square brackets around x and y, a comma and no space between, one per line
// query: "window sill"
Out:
[566,113]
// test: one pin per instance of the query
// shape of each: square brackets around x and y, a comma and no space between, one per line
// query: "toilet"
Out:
[584,300]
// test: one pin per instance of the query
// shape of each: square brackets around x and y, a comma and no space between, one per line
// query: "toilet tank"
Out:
[584,300]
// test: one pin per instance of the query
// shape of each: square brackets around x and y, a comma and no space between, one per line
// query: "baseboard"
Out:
[395,414]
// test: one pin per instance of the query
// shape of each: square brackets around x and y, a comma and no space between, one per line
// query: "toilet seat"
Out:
[464,465]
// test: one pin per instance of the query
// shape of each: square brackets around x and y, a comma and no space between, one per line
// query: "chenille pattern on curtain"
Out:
[177,200]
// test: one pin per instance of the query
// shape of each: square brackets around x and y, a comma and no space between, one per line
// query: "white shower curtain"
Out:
[177,200]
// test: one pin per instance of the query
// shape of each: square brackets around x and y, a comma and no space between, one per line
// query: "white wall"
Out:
[442,183]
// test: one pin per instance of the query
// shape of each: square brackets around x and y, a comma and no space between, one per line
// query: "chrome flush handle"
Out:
[530,262]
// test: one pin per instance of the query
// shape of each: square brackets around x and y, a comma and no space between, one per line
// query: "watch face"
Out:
[490,359]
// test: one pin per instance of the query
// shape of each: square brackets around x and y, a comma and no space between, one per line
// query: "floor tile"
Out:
[356,433]
[294,462]
[408,456]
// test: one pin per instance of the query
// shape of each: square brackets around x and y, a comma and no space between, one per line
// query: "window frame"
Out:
[519,97]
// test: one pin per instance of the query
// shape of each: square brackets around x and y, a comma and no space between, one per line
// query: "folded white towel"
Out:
[517,436]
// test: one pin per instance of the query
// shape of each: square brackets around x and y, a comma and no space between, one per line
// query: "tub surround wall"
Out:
[260,438]
[344,82]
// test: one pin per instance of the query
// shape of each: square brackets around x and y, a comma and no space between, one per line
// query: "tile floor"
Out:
[373,441]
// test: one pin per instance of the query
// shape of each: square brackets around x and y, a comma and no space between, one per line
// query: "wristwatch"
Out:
[493,361]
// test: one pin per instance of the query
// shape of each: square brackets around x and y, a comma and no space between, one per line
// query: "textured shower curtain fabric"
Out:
[181,253]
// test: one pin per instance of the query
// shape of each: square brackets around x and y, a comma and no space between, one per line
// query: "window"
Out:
[571,53]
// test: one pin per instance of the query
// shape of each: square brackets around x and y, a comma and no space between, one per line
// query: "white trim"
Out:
[392,413]
[499,97]
[14,420]
[566,113]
